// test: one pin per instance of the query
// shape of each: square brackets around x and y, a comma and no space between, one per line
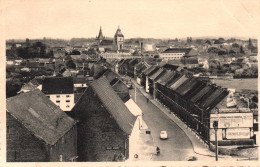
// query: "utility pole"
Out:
[135,93]
[215,125]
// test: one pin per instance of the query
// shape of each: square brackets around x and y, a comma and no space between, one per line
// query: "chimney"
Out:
[141,48]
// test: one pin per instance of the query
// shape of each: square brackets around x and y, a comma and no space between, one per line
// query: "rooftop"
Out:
[40,116]
[124,118]
[57,85]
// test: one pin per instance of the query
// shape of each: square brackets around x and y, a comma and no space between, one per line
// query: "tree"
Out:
[71,64]
[250,45]
[235,45]
[75,52]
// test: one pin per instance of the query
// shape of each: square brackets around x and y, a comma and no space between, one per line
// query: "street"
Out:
[178,146]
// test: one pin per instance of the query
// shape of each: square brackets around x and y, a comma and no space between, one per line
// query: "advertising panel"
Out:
[238,133]
[232,120]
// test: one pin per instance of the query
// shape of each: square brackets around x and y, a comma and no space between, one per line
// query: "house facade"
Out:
[105,130]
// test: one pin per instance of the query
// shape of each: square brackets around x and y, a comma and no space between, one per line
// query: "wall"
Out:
[99,136]
[22,146]
[133,139]
[66,146]
[63,98]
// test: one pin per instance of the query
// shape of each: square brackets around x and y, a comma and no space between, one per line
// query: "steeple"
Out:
[100,35]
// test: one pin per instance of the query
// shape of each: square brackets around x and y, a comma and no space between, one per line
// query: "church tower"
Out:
[100,36]
[119,40]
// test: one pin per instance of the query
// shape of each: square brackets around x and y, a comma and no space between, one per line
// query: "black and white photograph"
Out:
[129,82]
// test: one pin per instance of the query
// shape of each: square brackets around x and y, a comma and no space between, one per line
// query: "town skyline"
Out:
[157,19]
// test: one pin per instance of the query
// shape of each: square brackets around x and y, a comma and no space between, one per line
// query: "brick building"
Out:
[106,127]
[38,131]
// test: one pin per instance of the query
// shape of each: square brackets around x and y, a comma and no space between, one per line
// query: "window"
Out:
[58,96]
[67,95]
[57,101]
[67,101]
[48,96]
[67,106]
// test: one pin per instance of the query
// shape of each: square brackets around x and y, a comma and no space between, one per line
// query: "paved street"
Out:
[178,146]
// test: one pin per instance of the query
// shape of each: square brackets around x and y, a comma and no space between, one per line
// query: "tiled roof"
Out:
[201,93]
[177,50]
[157,74]
[189,61]
[98,70]
[193,91]
[40,116]
[167,77]
[110,75]
[207,95]
[57,85]
[179,82]
[186,86]
[77,80]
[214,98]
[114,105]
[106,42]
[174,79]
[120,88]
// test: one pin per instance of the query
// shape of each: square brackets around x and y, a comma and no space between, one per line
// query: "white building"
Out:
[176,53]
[60,91]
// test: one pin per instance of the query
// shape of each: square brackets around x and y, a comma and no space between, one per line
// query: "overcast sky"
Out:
[136,18]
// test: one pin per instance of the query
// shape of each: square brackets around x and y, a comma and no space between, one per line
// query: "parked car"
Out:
[163,135]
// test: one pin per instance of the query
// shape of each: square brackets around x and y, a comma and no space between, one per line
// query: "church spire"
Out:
[100,35]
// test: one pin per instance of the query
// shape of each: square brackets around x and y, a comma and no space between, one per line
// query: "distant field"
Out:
[249,84]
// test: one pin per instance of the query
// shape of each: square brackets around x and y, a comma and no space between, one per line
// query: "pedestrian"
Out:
[147,100]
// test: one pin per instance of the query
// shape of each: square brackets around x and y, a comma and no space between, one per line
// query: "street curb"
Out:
[177,123]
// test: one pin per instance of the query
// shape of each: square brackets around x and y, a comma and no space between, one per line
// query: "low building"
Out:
[199,103]
[60,91]
[38,131]
[176,53]
[106,131]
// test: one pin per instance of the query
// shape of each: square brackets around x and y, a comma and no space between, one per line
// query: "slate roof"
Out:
[157,74]
[187,86]
[166,77]
[106,42]
[201,93]
[177,50]
[77,80]
[110,75]
[174,79]
[179,82]
[214,98]
[193,91]
[40,116]
[98,70]
[57,85]
[114,105]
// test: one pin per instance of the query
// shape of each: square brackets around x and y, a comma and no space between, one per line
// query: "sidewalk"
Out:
[144,147]
[199,146]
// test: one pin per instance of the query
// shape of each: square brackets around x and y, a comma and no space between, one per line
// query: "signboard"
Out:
[238,133]
[232,120]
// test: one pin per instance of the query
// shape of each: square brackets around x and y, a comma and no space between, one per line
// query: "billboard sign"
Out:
[232,120]
[238,133]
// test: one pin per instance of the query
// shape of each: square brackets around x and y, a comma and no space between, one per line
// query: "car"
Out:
[163,135]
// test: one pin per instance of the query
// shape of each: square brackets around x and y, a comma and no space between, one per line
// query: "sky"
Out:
[137,18]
